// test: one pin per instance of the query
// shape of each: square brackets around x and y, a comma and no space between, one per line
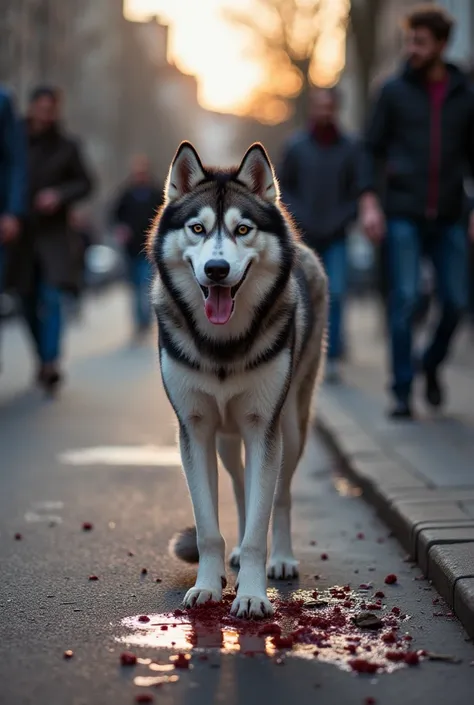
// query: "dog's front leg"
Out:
[197,439]
[263,451]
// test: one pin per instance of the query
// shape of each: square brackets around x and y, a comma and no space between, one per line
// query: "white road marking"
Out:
[146,455]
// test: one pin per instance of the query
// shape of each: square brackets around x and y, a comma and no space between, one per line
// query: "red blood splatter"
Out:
[395,655]
[144,698]
[68,654]
[164,628]
[412,658]
[396,611]
[144,571]
[178,613]
[380,594]
[436,600]
[351,648]
[144,618]
[389,638]
[18,537]
[362,666]
[93,577]
[269,629]
[347,603]
[391,579]
[87,526]
[438,614]
[408,637]
[182,661]
[324,557]
[282,642]
[361,536]
[374,606]
[365,586]
[128,659]
[450,614]
[370,701]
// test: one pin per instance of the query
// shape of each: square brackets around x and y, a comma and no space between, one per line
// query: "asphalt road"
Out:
[104,453]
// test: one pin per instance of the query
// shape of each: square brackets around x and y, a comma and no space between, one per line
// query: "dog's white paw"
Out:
[234,558]
[281,568]
[251,607]
[199,596]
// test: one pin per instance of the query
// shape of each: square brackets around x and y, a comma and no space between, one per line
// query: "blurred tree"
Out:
[284,36]
[363,19]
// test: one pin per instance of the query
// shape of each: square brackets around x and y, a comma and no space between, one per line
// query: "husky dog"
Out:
[241,308]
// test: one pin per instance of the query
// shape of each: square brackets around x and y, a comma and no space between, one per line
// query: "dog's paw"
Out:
[282,568]
[234,558]
[252,607]
[199,596]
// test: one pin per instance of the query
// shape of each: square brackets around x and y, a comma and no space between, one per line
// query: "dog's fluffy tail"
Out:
[184,546]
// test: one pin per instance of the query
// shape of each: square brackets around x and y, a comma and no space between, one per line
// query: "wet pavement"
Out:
[93,486]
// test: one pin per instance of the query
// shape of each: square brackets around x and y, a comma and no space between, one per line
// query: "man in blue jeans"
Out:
[421,132]
[12,179]
[132,216]
[319,182]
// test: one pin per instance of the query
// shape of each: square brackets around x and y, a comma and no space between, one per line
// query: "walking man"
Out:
[47,263]
[318,179]
[132,216]
[12,179]
[421,132]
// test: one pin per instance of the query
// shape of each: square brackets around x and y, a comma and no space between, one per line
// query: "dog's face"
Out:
[223,232]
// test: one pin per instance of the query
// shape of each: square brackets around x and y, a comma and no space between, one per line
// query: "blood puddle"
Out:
[310,624]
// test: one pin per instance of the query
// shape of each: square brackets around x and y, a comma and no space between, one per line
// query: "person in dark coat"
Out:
[319,186]
[12,179]
[47,258]
[132,216]
[421,132]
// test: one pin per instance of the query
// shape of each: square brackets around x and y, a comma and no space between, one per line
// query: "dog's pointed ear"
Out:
[186,171]
[256,172]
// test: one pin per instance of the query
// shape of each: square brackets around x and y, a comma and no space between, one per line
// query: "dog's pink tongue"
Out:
[218,304]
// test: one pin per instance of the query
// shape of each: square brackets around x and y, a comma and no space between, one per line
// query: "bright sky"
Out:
[204,44]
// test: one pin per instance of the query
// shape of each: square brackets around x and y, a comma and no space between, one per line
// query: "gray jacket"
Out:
[319,186]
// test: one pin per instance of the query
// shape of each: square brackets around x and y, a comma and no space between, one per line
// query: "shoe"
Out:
[401,410]
[433,390]
[51,380]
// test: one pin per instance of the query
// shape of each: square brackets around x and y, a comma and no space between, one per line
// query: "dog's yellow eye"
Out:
[243,230]
[197,229]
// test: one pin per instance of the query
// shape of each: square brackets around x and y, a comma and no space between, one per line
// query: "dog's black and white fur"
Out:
[241,308]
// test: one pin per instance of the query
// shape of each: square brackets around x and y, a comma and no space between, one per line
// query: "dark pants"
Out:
[140,274]
[334,259]
[42,310]
[446,245]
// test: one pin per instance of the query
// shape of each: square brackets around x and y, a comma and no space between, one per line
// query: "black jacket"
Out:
[399,140]
[136,208]
[319,187]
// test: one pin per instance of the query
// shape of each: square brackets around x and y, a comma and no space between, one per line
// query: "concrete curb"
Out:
[432,524]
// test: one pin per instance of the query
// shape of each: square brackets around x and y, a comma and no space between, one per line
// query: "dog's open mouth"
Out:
[219,301]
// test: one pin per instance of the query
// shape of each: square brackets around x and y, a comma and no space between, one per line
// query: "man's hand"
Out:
[471,227]
[372,217]
[9,228]
[47,201]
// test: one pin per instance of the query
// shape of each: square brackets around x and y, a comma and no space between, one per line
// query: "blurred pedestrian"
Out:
[319,184]
[421,132]
[47,263]
[12,180]
[132,216]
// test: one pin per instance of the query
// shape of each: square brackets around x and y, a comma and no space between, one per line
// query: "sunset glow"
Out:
[203,43]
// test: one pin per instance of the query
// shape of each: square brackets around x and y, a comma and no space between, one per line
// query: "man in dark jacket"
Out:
[422,134]
[318,179]
[132,216]
[12,179]
[47,260]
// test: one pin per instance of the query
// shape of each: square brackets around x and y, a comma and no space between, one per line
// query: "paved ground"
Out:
[420,475]
[129,485]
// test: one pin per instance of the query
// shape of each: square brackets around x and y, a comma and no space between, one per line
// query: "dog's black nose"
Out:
[216,269]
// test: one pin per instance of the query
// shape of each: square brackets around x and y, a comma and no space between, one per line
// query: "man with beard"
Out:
[47,257]
[421,132]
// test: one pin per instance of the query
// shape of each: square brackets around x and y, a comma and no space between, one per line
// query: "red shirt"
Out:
[437,94]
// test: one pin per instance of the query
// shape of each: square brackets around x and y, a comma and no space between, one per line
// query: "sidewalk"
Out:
[420,475]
